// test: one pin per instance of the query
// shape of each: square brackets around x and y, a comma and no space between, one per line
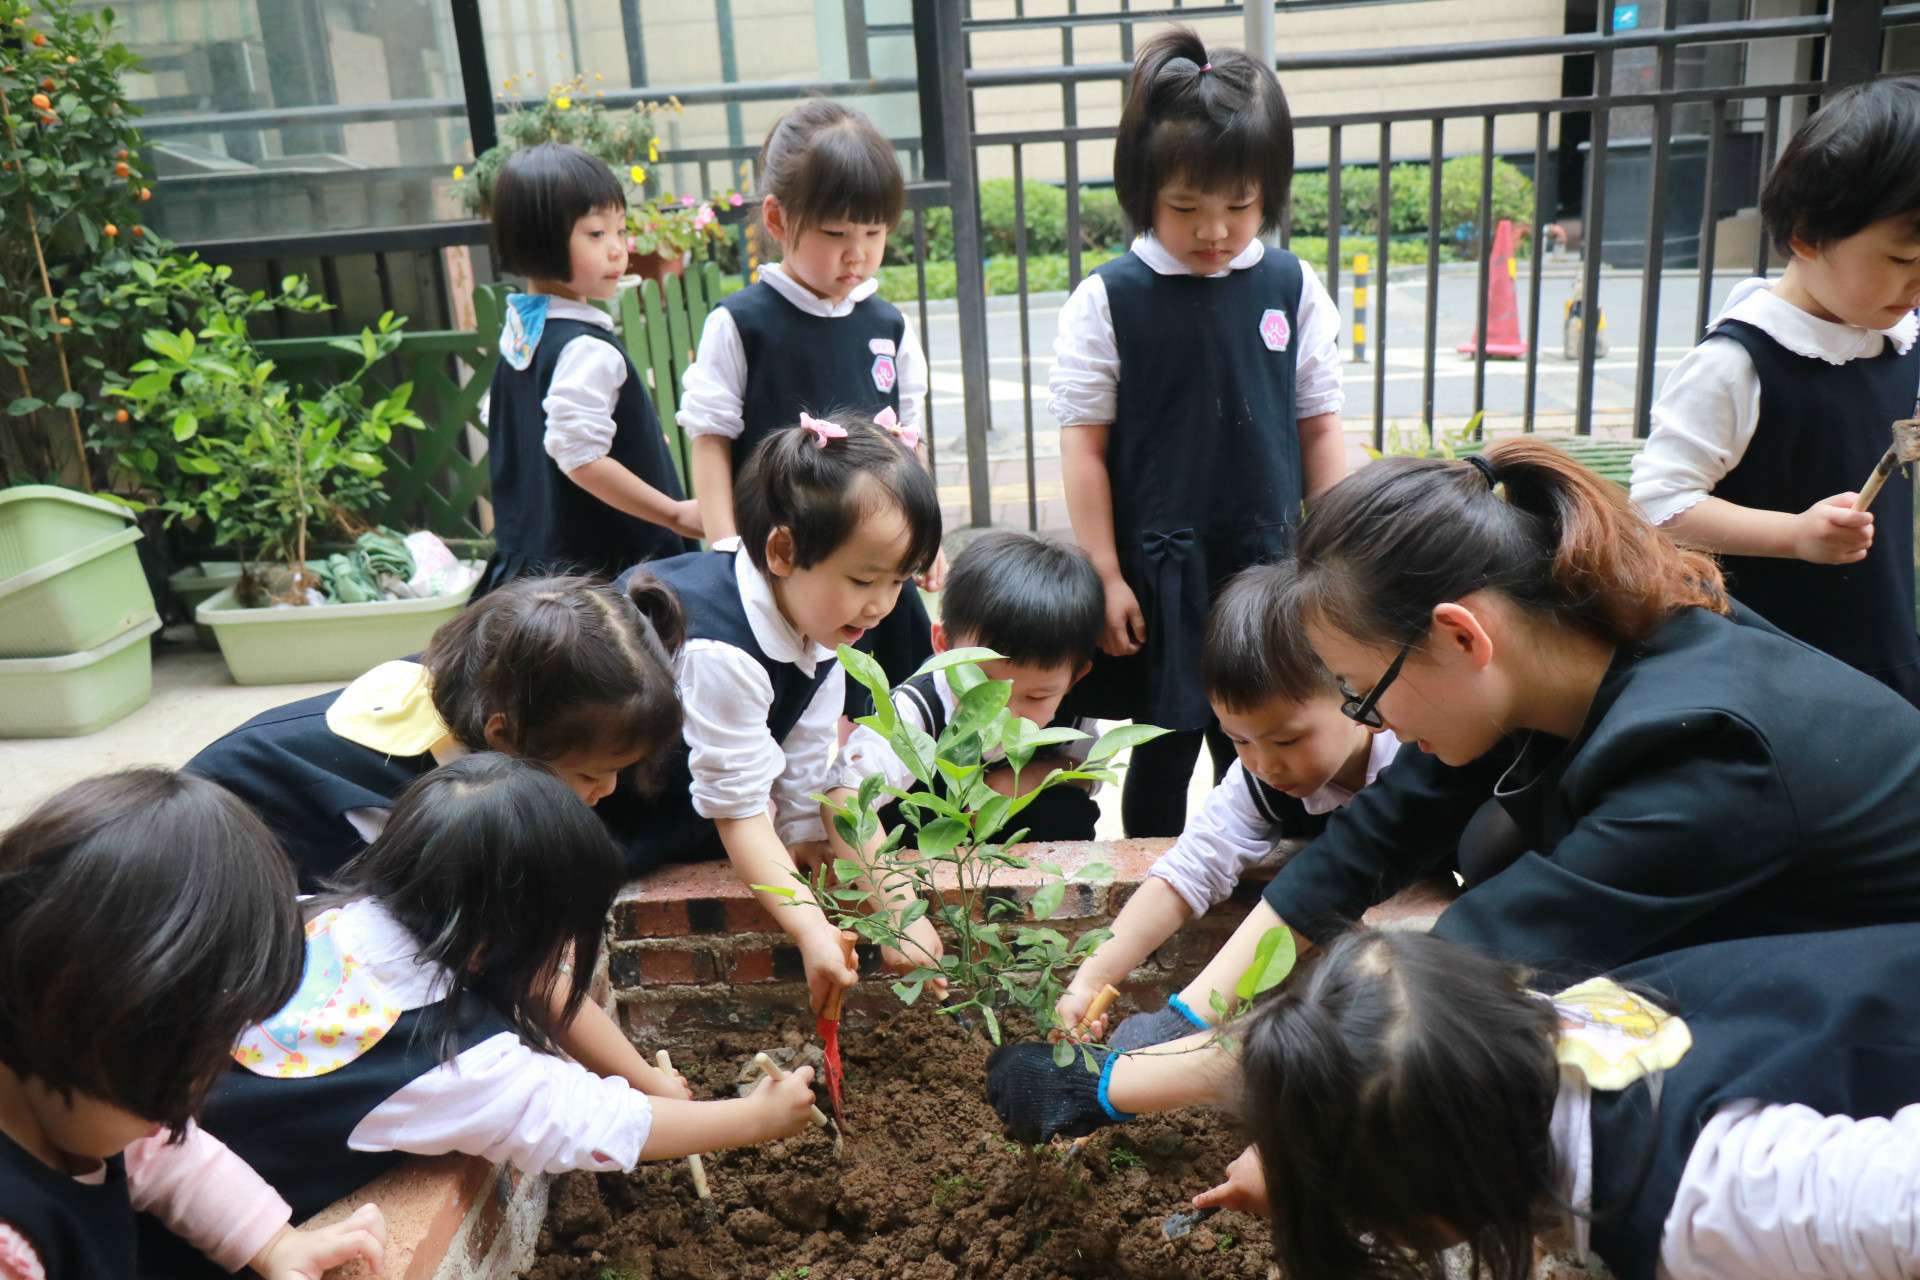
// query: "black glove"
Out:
[1037,1099]
[1145,1029]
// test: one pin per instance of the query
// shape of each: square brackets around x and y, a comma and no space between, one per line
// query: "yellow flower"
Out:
[563,103]
[638,175]
[653,150]
[459,172]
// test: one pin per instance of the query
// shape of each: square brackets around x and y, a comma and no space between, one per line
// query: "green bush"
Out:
[1102,226]
[1409,197]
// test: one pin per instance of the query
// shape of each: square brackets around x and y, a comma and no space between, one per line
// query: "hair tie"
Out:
[908,436]
[822,431]
[1206,66]
[1485,468]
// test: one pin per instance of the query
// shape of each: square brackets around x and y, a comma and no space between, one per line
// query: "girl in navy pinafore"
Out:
[582,481]
[810,336]
[1197,385]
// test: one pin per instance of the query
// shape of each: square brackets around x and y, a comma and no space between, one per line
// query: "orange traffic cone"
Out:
[1503,314]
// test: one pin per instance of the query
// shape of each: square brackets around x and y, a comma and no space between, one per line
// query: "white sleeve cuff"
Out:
[1084,385]
[1221,842]
[1702,424]
[1318,374]
[713,389]
[579,406]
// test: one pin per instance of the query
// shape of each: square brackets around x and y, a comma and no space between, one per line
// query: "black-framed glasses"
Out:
[1361,710]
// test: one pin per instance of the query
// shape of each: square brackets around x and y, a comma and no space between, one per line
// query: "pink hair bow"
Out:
[908,436]
[823,430]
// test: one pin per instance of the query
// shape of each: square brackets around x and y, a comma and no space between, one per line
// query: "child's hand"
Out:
[923,948]
[1244,1191]
[811,855]
[935,579]
[307,1255]
[785,1105]
[1832,532]
[1072,1007]
[1126,625]
[827,966]
[685,519]
[664,1084]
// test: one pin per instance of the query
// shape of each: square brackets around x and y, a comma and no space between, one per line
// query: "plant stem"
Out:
[53,310]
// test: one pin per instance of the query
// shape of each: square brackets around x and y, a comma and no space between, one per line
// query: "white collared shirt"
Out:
[1230,836]
[586,384]
[715,386]
[500,1099]
[1770,1192]
[726,697]
[1707,412]
[1086,359]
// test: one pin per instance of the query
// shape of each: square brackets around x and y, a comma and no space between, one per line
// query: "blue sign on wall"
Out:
[1626,17]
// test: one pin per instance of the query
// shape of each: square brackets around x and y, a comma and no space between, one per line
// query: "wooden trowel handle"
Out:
[1108,994]
[1875,482]
[831,1011]
[818,1118]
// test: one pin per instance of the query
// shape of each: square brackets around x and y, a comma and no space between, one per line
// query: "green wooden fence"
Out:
[433,479]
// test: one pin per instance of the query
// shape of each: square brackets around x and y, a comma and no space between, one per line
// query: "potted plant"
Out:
[570,113]
[662,230]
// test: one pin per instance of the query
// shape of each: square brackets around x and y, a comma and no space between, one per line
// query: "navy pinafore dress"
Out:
[80,1232]
[1203,457]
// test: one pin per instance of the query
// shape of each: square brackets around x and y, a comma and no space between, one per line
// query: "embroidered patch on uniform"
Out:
[883,372]
[526,319]
[1614,1036]
[881,346]
[339,1013]
[1274,330]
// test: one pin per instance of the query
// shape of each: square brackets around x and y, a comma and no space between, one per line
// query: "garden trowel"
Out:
[829,1027]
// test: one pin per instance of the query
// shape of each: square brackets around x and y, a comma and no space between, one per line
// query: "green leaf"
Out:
[862,667]
[70,400]
[1095,873]
[185,425]
[993,1023]
[940,836]
[908,991]
[846,870]
[1272,961]
[789,894]
[1063,1051]
[1046,900]
[199,466]
[976,708]
[953,657]
[24,405]
[148,385]
[1218,1003]
[1119,739]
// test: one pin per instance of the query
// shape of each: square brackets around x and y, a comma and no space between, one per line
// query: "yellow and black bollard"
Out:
[1360,264]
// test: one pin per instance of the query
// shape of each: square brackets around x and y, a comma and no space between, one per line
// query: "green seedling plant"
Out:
[966,829]
[1120,1158]
[1273,959]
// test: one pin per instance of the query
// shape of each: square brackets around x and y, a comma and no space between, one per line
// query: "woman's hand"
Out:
[293,1254]
[783,1106]
[1126,625]
[1244,1191]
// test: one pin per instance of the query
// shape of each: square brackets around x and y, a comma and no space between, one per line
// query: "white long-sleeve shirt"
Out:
[1772,1192]
[1086,360]
[499,1099]
[713,390]
[579,403]
[725,695]
[1230,836]
[1706,414]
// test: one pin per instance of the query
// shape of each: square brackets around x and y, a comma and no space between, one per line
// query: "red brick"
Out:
[648,918]
[746,915]
[661,968]
[750,966]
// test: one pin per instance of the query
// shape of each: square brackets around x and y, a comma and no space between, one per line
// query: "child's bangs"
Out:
[849,175]
[909,491]
[1238,157]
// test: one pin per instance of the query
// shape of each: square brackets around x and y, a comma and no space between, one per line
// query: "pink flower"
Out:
[702,218]
[687,201]
[735,200]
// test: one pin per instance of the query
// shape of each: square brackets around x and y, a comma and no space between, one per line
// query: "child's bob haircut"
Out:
[147,918]
[540,193]
[493,859]
[1215,119]
[569,664]
[1855,162]
[824,162]
[821,491]
[1256,644]
[1399,1086]
[1030,599]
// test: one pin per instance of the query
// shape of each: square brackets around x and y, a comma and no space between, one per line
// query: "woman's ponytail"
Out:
[1381,548]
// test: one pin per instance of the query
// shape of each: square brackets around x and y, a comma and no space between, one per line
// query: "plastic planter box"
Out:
[76,601]
[77,693]
[322,641]
[41,522]
[200,583]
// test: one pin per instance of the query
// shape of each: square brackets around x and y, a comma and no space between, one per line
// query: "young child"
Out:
[836,516]
[1038,603]
[566,671]
[582,479]
[1300,759]
[810,336]
[1765,430]
[440,980]
[145,920]
[1197,385]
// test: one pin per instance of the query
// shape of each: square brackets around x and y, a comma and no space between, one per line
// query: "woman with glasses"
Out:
[1678,770]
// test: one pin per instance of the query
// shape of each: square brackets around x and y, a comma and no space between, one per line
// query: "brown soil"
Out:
[927,1188]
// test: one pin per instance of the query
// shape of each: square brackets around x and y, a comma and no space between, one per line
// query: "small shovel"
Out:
[1095,1007]
[1905,448]
[694,1162]
[1179,1224]
[817,1118]
[829,1026]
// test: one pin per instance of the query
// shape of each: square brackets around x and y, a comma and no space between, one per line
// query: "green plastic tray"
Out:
[75,601]
[77,693]
[323,641]
[199,583]
[42,522]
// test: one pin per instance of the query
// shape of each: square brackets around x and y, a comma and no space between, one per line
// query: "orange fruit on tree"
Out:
[139,231]
[48,84]
[65,321]
[146,193]
[39,39]
[111,230]
[123,153]
[120,416]
[41,101]
[121,170]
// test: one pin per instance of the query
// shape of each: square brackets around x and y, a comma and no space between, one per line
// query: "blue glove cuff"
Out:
[1175,1002]
[1106,1077]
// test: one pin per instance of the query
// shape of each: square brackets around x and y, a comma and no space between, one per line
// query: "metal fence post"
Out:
[943,19]
[1260,29]
[471,42]
[1853,42]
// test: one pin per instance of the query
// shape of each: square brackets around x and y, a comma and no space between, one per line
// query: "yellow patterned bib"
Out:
[339,1013]
[390,709]
[1613,1036]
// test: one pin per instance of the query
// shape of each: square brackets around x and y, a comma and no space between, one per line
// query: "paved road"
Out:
[1405,357]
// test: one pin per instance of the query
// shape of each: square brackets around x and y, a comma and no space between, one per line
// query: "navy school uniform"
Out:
[80,1232]
[1203,457]
[303,779]
[1825,1021]
[1729,782]
[705,582]
[543,522]
[1822,429]
[797,363]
